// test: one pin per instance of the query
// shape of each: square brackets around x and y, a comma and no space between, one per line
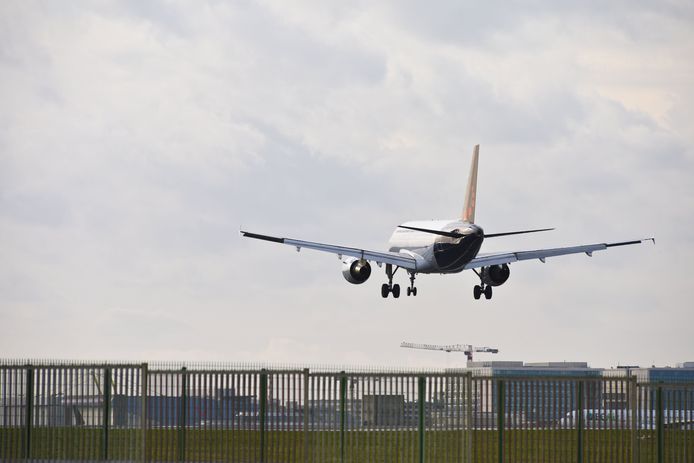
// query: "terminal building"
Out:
[666,380]
[541,393]
[683,372]
[535,393]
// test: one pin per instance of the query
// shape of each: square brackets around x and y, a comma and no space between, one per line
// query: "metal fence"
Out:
[132,412]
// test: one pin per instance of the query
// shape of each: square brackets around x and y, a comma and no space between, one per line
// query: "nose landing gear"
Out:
[412,290]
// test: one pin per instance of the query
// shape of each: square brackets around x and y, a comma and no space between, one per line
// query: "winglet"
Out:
[471,191]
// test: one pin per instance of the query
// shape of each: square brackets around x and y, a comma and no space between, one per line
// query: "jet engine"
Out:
[495,275]
[356,271]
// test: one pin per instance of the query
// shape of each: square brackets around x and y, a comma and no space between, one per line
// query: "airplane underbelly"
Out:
[452,257]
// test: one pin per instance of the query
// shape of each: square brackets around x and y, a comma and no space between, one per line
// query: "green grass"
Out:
[383,446]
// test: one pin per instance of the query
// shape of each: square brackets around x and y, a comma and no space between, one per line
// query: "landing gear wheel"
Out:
[412,290]
[396,291]
[488,292]
[477,291]
[385,289]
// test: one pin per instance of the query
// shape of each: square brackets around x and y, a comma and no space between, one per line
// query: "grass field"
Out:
[384,446]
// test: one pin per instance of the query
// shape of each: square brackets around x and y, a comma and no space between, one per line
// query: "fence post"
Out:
[422,410]
[469,427]
[263,409]
[183,415]
[579,424]
[107,412]
[143,404]
[659,422]
[343,405]
[501,411]
[306,413]
[633,406]
[29,402]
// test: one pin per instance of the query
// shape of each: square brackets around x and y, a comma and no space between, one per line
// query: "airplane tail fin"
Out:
[471,192]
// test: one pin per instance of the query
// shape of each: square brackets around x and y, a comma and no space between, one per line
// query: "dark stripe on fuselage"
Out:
[453,255]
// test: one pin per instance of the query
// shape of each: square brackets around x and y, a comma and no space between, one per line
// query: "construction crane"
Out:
[465,348]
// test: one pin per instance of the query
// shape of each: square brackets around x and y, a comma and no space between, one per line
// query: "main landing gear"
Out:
[480,289]
[389,287]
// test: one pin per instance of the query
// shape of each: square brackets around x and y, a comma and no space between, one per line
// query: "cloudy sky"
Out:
[137,138]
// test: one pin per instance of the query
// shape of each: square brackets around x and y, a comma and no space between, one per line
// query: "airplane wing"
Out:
[400,260]
[542,254]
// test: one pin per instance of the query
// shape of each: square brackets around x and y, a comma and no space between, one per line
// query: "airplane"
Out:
[440,246]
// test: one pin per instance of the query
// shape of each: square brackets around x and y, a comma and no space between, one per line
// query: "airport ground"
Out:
[70,444]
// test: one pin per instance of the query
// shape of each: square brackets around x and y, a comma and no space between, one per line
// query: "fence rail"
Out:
[129,412]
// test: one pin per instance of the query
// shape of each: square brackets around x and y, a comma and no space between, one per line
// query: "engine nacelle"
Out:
[356,271]
[495,275]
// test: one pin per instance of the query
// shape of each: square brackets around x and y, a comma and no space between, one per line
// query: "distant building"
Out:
[666,378]
[53,411]
[529,401]
[324,410]
[383,410]
[684,372]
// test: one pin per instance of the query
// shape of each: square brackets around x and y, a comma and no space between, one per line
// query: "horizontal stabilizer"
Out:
[460,235]
[434,232]
[494,235]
